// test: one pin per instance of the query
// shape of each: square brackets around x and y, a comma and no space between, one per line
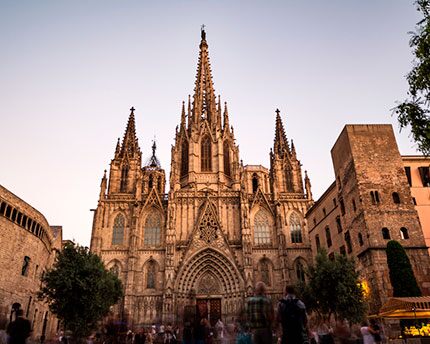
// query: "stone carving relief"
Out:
[209,285]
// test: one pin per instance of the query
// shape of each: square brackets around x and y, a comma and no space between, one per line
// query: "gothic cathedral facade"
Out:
[221,227]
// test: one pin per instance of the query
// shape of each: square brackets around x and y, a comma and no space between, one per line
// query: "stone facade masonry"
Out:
[28,245]
[369,204]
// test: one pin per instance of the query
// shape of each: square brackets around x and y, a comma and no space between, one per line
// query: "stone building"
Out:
[417,170]
[368,204]
[28,244]
[219,228]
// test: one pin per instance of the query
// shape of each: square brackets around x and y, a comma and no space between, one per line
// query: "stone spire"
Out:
[183,123]
[226,121]
[204,103]
[308,186]
[118,148]
[130,146]
[281,143]
[103,186]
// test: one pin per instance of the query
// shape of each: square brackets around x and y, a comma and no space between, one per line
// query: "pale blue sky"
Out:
[70,71]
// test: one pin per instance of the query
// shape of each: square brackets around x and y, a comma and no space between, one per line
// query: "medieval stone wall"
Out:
[28,245]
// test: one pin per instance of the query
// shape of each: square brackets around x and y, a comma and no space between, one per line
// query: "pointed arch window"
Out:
[151,275]
[265,272]
[206,154]
[226,152]
[152,231]
[254,183]
[115,269]
[295,229]
[299,267]
[404,233]
[262,234]
[184,159]
[150,182]
[124,176]
[118,230]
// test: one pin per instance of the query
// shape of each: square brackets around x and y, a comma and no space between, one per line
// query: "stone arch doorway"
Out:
[216,286]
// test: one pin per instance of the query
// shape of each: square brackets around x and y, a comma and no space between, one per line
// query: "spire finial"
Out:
[203,32]
[277,112]
[154,147]
[132,110]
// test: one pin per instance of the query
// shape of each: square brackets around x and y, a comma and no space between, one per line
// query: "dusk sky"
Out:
[71,70]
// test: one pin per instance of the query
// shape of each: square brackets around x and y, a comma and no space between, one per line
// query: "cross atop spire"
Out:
[204,103]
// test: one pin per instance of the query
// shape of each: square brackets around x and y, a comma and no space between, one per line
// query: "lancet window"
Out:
[300,270]
[118,230]
[124,175]
[151,275]
[206,154]
[262,235]
[184,158]
[265,272]
[295,229]
[152,231]
[226,151]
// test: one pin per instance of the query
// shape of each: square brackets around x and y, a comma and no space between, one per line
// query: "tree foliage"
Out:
[401,274]
[414,111]
[333,288]
[79,289]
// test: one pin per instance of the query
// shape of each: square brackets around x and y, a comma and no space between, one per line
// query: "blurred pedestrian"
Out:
[19,329]
[292,317]
[259,315]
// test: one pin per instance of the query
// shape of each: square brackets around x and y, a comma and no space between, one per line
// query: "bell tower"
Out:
[126,164]
[285,168]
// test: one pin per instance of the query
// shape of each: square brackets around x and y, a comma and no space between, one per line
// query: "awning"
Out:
[406,308]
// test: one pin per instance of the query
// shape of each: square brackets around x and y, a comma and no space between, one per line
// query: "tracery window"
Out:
[295,229]
[152,231]
[118,230]
[184,158]
[262,228]
[206,154]
[265,272]
[151,275]
[300,270]
[226,151]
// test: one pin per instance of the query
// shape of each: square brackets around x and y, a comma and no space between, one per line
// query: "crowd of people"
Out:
[258,323]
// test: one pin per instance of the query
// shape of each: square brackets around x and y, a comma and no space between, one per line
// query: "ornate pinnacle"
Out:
[281,143]
[226,121]
[183,124]
[130,145]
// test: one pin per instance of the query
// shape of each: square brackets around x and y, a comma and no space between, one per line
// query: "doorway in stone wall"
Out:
[209,308]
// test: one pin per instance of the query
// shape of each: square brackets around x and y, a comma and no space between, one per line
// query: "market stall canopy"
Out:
[406,308]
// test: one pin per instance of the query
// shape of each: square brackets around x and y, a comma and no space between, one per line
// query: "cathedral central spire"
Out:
[204,103]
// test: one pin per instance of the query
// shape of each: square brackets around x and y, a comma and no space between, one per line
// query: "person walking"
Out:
[19,329]
[259,315]
[292,317]
[367,333]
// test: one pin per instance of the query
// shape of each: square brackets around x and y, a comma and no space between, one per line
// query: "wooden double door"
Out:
[209,308]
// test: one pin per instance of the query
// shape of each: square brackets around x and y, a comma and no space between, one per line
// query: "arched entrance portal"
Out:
[215,284]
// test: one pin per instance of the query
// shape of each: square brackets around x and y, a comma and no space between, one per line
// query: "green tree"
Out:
[401,274]
[333,288]
[414,111]
[79,289]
